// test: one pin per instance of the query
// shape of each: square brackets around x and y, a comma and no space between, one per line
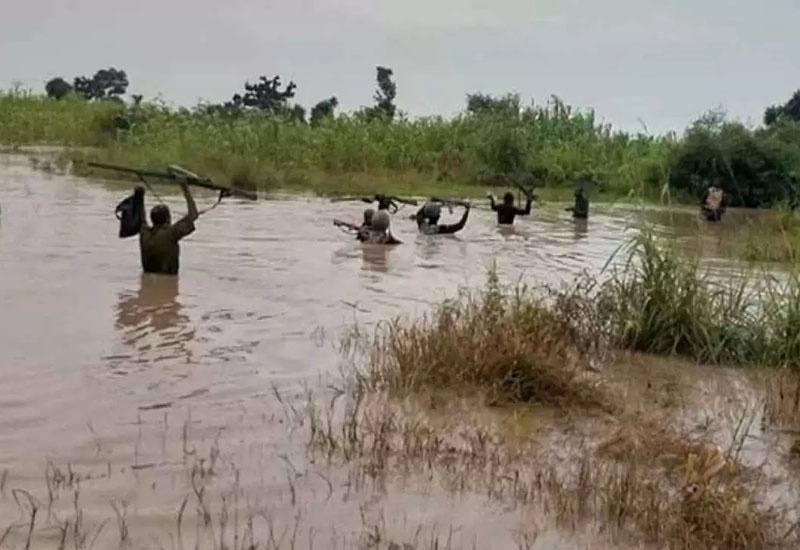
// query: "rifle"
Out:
[385,202]
[450,203]
[346,225]
[176,173]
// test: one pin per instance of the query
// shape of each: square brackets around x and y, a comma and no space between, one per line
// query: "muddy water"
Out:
[120,376]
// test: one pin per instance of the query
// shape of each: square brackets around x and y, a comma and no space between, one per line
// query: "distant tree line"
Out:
[270,97]
[755,166]
[267,96]
[106,84]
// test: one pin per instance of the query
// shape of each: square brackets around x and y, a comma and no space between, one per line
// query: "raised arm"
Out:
[528,202]
[192,213]
[492,202]
[456,227]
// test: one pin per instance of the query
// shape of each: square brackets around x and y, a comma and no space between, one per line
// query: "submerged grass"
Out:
[510,346]
[647,479]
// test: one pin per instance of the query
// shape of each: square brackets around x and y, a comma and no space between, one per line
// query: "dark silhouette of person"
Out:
[507,211]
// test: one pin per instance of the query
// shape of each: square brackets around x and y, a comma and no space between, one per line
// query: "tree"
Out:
[297,113]
[323,110]
[384,96]
[790,109]
[266,95]
[108,83]
[57,88]
[484,104]
[753,167]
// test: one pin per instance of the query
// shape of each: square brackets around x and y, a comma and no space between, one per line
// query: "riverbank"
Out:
[73,159]
[551,146]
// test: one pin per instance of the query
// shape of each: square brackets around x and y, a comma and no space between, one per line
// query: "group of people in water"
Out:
[375,227]
[160,249]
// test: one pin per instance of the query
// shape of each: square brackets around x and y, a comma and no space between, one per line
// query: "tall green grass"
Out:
[27,119]
[555,142]
[512,343]
[659,301]
[768,239]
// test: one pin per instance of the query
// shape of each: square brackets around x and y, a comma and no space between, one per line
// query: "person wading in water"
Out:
[713,203]
[427,218]
[158,245]
[581,208]
[507,211]
[362,231]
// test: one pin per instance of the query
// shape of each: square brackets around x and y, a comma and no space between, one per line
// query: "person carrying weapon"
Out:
[158,243]
[385,202]
[427,217]
[374,229]
[362,231]
[580,210]
[507,210]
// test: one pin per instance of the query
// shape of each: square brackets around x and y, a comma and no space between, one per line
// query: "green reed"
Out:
[555,142]
[661,302]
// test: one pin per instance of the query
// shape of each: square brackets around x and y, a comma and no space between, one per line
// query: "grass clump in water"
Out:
[661,302]
[508,344]
[776,239]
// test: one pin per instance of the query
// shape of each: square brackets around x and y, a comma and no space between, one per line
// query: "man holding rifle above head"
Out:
[158,243]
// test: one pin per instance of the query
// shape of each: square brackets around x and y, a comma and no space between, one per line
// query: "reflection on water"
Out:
[581,228]
[375,257]
[150,321]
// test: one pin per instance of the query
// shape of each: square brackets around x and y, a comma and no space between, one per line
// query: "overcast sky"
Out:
[663,62]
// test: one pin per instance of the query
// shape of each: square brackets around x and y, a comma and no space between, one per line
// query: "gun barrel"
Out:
[172,176]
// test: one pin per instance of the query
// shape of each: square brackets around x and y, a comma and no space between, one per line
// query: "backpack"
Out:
[130,213]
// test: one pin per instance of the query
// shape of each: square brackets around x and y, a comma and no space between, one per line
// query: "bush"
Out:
[754,167]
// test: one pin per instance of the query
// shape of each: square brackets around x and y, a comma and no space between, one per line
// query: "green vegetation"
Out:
[512,344]
[756,168]
[651,476]
[260,139]
[253,150]
[767,239]
[658,302]
[33,119]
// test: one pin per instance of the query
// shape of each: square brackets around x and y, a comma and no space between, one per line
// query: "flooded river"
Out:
[113,374]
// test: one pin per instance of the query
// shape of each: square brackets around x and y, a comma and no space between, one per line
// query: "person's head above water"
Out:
[160,215]
[368,214]
[380,221]
[508,198]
